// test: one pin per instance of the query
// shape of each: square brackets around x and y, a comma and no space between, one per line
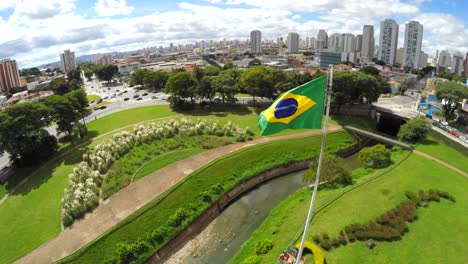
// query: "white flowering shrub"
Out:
[84,184]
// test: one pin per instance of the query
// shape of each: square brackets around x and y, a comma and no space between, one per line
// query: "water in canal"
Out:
[226,234]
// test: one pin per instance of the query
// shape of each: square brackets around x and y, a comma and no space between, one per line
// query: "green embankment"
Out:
[445,149]
[228,171]
[436,237]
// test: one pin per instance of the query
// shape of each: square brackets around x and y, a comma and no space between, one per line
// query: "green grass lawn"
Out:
[228,171]
[438,236]
[92,97]
[445,149]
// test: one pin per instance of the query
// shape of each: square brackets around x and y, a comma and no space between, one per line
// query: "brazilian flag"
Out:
[301,107]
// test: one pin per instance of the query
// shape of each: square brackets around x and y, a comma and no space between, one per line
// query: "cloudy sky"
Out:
[35,32]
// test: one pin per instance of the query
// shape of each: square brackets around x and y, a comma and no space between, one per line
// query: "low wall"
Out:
[202,221]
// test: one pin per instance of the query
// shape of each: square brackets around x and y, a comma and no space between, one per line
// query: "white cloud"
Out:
[112,7]
[4,4]
[33,40]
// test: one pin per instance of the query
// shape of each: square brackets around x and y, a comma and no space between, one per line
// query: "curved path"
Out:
[128,200]
[441,162]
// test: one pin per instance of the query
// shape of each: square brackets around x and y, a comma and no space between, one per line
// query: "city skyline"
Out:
[35,33]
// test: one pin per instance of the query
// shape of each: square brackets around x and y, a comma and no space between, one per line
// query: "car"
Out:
[113,96]
[139,98]
[125,91]
[96,108]
[119,94]
[145,94]
[108,88]
[99,101]
[454,133]
[103,107]
[154,97]
[105,98]
[464,138]
[136,95]
[117,90]
[126,99]
[92,102]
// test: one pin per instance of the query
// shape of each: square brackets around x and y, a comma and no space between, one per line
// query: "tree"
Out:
[279,79]
[304,78]
[206,89]
[137,77]
[355,87]
[371,70]
[211,71]
[181,85]
[254,80]
[154,80]
[22,132]
[78,98]
[105,72]
[226,84]
[414,130]
[453,94]
[375,157]
[255,62]
[88,74]
[75,75]
[59,86]
[333,170]
[63,112]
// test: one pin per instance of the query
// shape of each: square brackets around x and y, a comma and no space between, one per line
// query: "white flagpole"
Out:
[322,150]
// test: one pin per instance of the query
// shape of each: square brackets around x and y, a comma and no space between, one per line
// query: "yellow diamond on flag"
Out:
[288,107]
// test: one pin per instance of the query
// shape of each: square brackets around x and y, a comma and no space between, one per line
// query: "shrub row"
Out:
[390,226]
[84,184]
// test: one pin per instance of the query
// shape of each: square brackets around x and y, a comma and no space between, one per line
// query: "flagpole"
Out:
[322,150]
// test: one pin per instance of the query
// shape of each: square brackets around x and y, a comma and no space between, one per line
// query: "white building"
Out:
[368,43]
[423,59]
[443,59]
[413,42]
[334,42]
[388,41]
[399,56]
[9,75]
[255,41]
[457,65]
[68,61]
[310,42]
[293,42]
[347,42]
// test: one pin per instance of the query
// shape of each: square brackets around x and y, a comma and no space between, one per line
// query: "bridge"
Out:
[378,137]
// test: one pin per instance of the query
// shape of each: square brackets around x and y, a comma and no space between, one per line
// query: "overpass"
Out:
[378,137]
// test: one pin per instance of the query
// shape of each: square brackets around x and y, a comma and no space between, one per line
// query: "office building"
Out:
[368,42]
[334,42]
[255,41]
[328,57]
[358,46]
[347,42]
[388,41]
[322,40]
[310,42]
[457,65]
[68,61]
[412,44]
[399,56]
[293,42]
[9,75]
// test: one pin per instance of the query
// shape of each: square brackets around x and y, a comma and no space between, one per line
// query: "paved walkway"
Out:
[131,198]
[419,153]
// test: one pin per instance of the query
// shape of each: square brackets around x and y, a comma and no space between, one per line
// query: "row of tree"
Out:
[23,131]
[104,72]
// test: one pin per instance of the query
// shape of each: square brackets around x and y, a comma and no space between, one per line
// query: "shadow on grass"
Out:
[362,122]
[41,172]
[221,110]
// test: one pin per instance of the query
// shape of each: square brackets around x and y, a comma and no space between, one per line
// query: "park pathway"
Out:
[419,153]
[128,200]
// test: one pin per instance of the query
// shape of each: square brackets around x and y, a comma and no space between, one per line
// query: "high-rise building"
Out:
[347,42]
[413,42]
[399,56]
[358,46]
[443,61]
[68,61]
[388,41]
[255,41]
[310,42]
[368,42]
[457,65]
[334,42]
[322,40]
[293,42]
[9,75]
[466,65]
[423,58]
